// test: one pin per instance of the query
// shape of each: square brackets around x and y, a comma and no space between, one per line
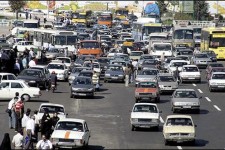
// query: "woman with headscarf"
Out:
[46,124]
[6,142]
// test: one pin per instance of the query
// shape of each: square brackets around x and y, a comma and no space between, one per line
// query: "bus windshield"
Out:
[122,12]
[219,42]
[89,45]
[105,18]
[162,47]
[149,29]
[71,40]
[183,34]
[60,40]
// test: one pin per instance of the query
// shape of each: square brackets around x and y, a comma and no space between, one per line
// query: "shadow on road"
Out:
[202,111]
[60,92]
[95,147]
[152,129]
[198,143]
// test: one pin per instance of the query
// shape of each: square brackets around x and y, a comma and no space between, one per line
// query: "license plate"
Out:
[144,126]
[82,94]
[191,78]
[221,86]
[168,88]
[186,106]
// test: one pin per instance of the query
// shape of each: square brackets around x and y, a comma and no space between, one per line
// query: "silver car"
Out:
[185,99]
[201,60]
[146,75]
[52,54]
[167,82]
[75,72]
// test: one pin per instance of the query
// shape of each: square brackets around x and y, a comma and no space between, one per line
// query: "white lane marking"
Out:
[161,120]
[179,147]
[77,105]
[217,107]
[194,84]
[209,100]
[200,91]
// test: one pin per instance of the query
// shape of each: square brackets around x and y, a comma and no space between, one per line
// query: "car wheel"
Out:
[26,97]
[157,99]
[133,128]
[166,142]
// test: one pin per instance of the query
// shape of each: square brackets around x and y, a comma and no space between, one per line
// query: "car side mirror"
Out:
[195,125]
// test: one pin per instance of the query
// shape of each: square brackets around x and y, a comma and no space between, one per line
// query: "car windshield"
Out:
[178,64]
[201,56]
[66,60]
[146,57]
[84,81]
[185,94]
[136,53]
[216,65]
[67,125]
[52,109]
[218,76]
[190,69]
[145,108]
[179,122]
[103,60]
[149,72]
[183,58]
[34,73]
[94,65]
[186,52]
[75,70]
[55,66]
[147,85]
[162,47]
[115,68]
[86,74]
[166,79]
[119,63]
[218,70]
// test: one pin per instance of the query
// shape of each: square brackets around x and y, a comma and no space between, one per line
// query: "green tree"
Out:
[200,9]
[16,6]
[162,6]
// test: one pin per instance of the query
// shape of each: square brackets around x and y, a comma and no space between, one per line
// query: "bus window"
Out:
[183,34]
[60,40]
[71,40]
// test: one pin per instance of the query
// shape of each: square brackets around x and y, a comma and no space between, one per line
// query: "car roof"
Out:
[165,74]
[89,71]
[178,61]
[145,104]
[51,104]
[218,73]
[38,66]
[5,73]
[184,90]
[71,120]
[189,66]
[179,116]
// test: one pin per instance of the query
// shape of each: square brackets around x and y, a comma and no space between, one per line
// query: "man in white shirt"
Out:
[12,115]
[25,118]
[31,53]
[44,143]
[32,63]
[18,140]
[134,63]
[30,131]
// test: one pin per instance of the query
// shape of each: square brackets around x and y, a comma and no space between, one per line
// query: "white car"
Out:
[159,48]
[7,76]
[179,128]
[190,73]
[51,108]
[22,45]
[95,65]
[66,60]
[70,133]
[60,69]
[8,88]
[176,63]
[144,115]
[217,81]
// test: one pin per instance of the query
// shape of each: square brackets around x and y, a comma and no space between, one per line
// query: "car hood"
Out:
[185,100]
[67,134]
[114,72]
[145,76]
[29,78]
[145,115]
[179,129]
[146,90]
[168,84]
[56,70]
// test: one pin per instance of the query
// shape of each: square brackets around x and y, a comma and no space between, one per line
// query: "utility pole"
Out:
[107,6]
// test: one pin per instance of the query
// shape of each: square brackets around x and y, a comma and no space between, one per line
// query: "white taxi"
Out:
[60,69]
[144,115]
[176,63]
[179,128]
[70,133]
[190,73]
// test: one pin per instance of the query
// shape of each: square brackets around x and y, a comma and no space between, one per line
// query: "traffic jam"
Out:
[93,51]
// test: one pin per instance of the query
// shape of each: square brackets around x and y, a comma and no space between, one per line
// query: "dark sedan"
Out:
[82,86]
[34,77]
[114,73]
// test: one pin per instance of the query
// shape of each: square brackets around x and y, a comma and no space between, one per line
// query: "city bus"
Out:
[121,13]
[183,34]
[105,19]
[212,39]
[89,47]
[141,31]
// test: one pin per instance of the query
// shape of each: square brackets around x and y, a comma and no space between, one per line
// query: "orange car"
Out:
[148,90]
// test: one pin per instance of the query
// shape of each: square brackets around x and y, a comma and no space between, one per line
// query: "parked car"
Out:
[70,133]
[185,99]
[82,86]
[144,115]
[8,88]
[179,128]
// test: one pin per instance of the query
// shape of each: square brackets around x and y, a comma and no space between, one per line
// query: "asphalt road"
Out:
[108,116]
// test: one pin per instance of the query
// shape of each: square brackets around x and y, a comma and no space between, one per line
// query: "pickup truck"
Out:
[22,45]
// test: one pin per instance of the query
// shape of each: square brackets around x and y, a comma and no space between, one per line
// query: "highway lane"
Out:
[109,113]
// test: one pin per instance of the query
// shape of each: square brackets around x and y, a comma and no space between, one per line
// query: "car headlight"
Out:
[107,75]
[55,140]
[213,83]
[32,81]
[161,86]
[177,104]
[134,120]
[192,134]
[120,75]
[75,89]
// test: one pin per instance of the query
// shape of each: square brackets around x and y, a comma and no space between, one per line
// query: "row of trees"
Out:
[200,9]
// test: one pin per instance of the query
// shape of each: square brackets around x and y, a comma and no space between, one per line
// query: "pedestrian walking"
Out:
[11,112]
[17,141]
[32,62]
[46,124]
[36,121]
[66,52]
[19,110]
[30,132]
[44,143]
[16,67]
[24,62]
[25,118]
[6,142]
[162,58]
[127,75]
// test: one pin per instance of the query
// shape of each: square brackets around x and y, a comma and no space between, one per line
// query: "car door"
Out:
[4,90]
[86,133]
[16,87]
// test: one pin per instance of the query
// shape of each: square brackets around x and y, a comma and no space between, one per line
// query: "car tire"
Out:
[26,97]
[166,142]
[133,128]
[157,99]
